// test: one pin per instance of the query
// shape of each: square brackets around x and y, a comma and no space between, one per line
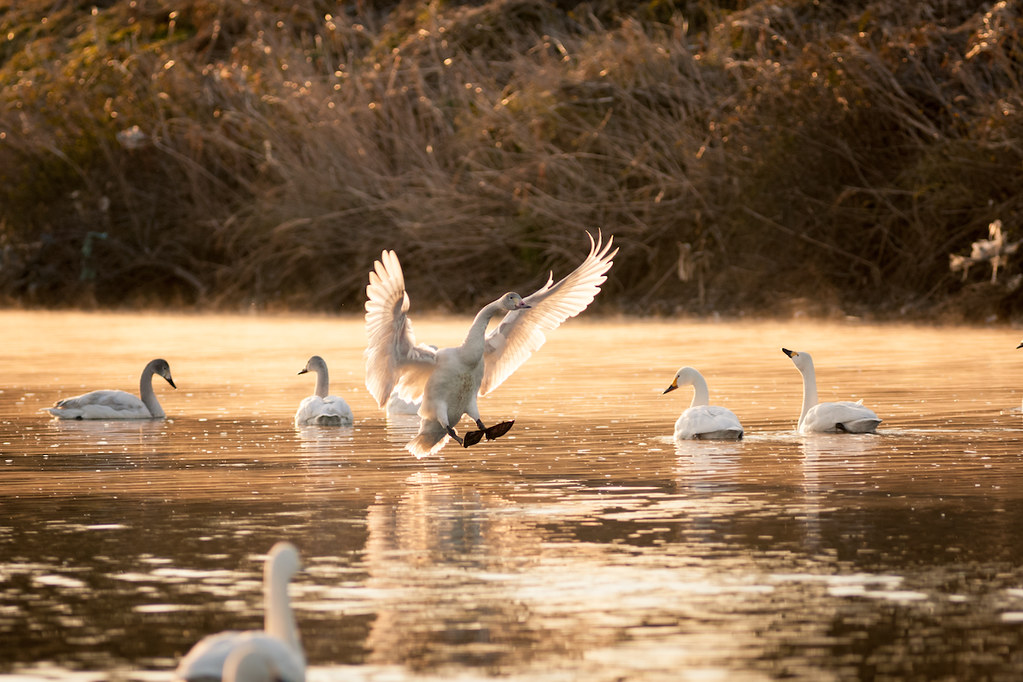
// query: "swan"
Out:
[278,642]
[321,409]
[701,420]
[449,380]
[399,407]
[246,663]
[840,417]
[109,404]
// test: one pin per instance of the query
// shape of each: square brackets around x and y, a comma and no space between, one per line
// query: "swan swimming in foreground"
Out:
[321,409]
[840,417]
[110,404]
[278,642]
[449,380]
[247,663]
[701,420]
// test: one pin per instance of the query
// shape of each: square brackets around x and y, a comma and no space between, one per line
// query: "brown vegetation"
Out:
[749,157]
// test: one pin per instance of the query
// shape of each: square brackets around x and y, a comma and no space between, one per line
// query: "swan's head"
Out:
[684,377]
[801,360]
[282,560]
[315,364]
[161,367]
[512,301]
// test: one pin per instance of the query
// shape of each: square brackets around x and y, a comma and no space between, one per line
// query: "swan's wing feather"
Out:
[826,416]
[703,419]
[121,400]
[393,358]
[206,659]
[522,332]
[332,410]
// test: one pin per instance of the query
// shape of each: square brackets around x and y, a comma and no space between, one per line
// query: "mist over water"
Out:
[585,544]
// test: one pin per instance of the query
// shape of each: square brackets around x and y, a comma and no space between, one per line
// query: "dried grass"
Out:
[789,150]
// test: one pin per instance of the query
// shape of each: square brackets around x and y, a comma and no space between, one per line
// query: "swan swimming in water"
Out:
[701,420]
[247,663]
[111,404]
[278,643]
[449,380]
[839,417]
[321,409]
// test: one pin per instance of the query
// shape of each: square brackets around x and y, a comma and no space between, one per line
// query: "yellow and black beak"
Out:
[790,353]
[303,370]
[674,385]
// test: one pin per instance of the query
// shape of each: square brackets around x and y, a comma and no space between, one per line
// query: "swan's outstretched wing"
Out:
[523,331]
[394,361]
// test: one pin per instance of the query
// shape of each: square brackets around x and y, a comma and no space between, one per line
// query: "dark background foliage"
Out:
[749,157]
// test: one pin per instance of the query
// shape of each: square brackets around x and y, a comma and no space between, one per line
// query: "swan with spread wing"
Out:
[448,381]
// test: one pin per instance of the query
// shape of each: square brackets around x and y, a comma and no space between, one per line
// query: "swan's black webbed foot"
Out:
[498,430]
[451,432]
[493,432]
[472,437]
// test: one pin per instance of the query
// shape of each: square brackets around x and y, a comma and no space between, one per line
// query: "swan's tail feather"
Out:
[431,438]
[865,425]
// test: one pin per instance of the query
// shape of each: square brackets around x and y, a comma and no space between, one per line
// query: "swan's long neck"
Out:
[701,396]
[147,394]
[809,391]
[278,619]
[474,340]
[322,382]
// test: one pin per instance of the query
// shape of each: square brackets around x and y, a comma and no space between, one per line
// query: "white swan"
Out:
[321,409]
[448,381]
[247,663]
[278,642]
[399,407]
[840,417]
[107,404]
[701,420]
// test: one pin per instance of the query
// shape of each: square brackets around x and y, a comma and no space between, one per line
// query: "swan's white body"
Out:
[321,409]
[701,420]
[399,407]
[278,643]
[449,380]
[110,404]
[838,417]
[248,663]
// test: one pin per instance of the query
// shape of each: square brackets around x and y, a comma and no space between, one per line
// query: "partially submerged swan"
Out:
[321,409]
[701,420]
[111,404]
[449,380]
[278,642]
[839,417]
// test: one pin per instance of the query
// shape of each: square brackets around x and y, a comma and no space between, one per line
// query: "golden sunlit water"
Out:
[584,545]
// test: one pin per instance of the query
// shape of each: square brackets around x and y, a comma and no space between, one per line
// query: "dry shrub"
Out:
[744,156]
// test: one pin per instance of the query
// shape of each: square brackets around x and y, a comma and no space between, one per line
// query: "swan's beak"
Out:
[169,381]
[1020,345]
[303,370]
[674,385]
[522,305]
[790,353]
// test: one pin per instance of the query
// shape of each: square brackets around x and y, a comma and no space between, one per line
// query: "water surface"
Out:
[585,545]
